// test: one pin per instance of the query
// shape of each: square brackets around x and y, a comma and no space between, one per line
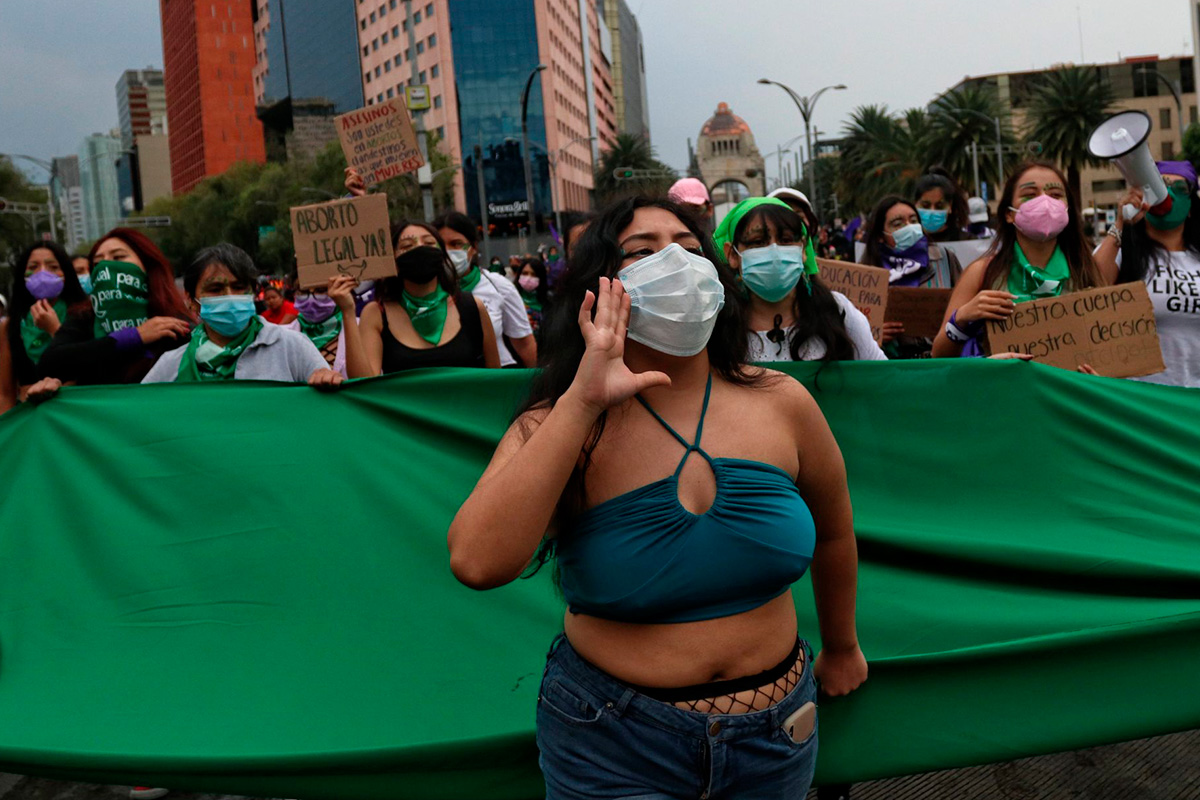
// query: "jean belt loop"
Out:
[626,698]
[554,645]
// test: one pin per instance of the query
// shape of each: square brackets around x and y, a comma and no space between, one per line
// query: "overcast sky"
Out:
[60,59]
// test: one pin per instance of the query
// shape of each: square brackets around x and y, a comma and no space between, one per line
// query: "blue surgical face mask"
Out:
[85,283]
[772,271]
[227,314]
[932,220]
[909,235]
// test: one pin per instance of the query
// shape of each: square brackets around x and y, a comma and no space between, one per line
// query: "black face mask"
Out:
[421,264]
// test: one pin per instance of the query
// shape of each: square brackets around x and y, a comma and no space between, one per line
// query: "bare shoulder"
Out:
[781,393]
[974,273]
[370,317]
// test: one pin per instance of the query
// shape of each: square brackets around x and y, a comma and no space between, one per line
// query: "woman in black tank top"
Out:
[420,319]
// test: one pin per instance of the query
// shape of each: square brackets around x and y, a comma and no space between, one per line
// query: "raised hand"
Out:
[45,317]
[354,182]
[988,304]
[341,291]
[603,380]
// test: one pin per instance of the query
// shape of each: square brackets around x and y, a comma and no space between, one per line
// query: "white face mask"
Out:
[461,261]
[675,297]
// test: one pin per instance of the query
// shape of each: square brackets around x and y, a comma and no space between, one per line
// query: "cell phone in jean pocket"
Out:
[800,723]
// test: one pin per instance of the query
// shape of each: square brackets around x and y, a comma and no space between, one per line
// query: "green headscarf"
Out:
[120,296]
[729,224]
[205,360]
[427,314]
[34,338]
[1028,282]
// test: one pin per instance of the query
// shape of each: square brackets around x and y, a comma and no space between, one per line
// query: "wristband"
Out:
[1115,233]
[957,334]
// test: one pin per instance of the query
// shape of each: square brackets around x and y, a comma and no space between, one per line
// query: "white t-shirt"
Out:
[506,310]
[859,330]
[1174,288]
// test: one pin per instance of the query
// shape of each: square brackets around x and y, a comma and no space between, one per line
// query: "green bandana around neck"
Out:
[120,296]
[469,281]
[34,338]
[322,333]
[531,300]
[1028,282]
[1181,204]
[218,365]
[428,313]
[730,222]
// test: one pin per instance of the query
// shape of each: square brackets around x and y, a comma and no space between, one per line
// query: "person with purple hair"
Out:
[1161,247]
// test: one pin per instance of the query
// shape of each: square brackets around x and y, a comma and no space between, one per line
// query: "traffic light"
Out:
[623,173]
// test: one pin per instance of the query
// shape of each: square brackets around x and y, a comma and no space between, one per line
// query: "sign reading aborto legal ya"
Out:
[343,237]
[379,141]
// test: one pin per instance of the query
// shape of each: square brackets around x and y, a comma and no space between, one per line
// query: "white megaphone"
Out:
[1122,139]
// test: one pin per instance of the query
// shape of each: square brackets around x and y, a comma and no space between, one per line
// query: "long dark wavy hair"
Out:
[1139,250]
[539,268]
[20,301]
[393,288]
[1072,241]
[956,219]
[598,254]
[876,227]
[815,315]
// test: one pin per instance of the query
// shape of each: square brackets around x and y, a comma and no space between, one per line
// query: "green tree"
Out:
[15,231]
[961,117]
[1065,107]
[881,154]
[631,152]
[1191,144]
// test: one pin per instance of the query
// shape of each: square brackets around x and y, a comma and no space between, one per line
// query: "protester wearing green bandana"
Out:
[792,315]
[420,318]
[42,299]
[232,341]
[510,323]
[1040,250]
[136,313]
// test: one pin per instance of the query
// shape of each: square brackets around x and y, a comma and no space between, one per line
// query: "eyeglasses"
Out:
[1179,187]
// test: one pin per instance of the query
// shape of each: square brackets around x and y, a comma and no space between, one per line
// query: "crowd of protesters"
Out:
[646,319]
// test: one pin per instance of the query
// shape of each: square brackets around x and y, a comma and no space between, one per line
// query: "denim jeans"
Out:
[599,739]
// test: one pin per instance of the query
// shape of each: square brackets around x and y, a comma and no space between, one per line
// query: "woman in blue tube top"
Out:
[682,493]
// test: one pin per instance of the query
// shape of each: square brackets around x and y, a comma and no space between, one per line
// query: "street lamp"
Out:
[1174,87]
[49,167]
[525,140]
[553,158]
[806,106]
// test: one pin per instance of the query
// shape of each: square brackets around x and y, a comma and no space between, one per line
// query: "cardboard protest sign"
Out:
[920,310]
[379,141]
[865,287]
[1112,329]
[343,237]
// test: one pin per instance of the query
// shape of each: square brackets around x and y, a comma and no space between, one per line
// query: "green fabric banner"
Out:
[244,587]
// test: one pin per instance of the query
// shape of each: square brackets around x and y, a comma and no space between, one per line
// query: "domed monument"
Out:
[730,164]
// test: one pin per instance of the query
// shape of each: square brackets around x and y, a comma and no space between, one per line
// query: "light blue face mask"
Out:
[772,271]
[228,314]
[907,236]
[85,283]
[932,220]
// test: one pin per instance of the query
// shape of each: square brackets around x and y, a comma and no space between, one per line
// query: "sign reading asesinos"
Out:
[379,141]
[1111,329]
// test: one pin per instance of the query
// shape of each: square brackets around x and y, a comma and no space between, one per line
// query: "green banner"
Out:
[244,587]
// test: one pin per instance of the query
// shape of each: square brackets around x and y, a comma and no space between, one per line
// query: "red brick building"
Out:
[208,63]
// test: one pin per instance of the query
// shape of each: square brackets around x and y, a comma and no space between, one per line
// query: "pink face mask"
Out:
[528,282]
[1042,218]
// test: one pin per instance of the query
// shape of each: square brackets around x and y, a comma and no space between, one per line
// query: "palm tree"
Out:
[880,155]
[961,117]
[1065,107]
[631,152]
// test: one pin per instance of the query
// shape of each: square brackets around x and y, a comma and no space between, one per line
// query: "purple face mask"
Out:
[316,307]
[44,285]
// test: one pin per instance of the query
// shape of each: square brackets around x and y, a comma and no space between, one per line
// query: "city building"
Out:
[728,160]
[475,57]
[208,63]
[69,196]
[306,72]
[145,168]
[628,69]
[1144,83]
[98,179]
